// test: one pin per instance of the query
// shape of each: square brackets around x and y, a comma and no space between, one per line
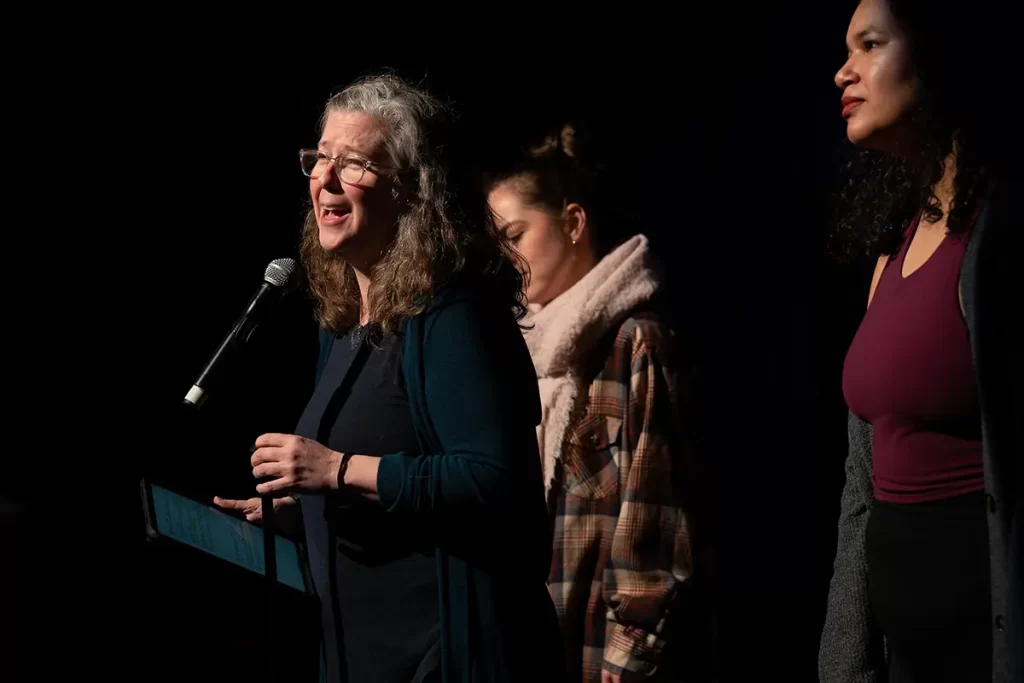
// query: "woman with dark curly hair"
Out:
[926,582]
[416,457]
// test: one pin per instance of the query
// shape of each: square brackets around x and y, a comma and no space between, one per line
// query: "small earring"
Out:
[574,241]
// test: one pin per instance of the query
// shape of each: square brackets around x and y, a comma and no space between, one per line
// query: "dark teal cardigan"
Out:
[473,396]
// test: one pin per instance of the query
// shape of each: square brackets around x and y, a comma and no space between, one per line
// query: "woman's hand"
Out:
[286,510]
[294,464]
[253,507]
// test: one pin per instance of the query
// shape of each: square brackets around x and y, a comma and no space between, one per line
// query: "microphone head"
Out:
[281,272]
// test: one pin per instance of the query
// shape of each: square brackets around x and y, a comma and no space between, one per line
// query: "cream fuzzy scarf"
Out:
[567,328]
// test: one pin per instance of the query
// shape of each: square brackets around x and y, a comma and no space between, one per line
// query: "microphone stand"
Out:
[270,568]
[278,279]
[270,563]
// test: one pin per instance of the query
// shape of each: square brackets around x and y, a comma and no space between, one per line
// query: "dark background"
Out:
[729,127]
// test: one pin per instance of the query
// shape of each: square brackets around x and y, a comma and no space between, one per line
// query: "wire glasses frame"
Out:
[350,169]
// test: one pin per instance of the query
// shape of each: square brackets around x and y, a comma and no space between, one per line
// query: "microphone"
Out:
[279,278]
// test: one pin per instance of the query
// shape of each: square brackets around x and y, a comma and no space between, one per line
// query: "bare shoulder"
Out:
[879,267]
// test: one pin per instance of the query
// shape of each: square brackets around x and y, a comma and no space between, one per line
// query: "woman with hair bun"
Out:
[610,440]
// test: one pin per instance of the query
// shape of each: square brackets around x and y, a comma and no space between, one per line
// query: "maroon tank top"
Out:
[909,373]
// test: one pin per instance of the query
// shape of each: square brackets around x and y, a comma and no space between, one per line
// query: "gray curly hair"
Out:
[444,227]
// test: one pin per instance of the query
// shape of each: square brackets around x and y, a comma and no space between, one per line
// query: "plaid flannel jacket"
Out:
[621,538]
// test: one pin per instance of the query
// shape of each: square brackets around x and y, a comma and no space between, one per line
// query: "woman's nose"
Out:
[846,75]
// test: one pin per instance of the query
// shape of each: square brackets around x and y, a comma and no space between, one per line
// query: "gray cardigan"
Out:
[852,648]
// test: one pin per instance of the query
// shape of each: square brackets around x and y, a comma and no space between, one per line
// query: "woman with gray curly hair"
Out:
[422,501]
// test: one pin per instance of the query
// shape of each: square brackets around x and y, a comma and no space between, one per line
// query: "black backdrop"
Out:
[732,128]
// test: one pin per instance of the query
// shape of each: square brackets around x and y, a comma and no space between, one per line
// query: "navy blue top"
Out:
[378,591]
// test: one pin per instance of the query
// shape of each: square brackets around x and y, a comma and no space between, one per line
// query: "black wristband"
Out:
[342,466]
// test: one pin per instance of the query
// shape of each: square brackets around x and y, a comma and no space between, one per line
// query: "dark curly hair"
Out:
[956,114]
[445,232]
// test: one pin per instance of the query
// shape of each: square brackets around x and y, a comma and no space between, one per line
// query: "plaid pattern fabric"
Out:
[621,542]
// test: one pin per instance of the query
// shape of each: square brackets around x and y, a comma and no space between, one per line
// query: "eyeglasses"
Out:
[350,169]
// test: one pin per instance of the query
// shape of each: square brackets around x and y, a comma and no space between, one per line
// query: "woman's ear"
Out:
[575,222]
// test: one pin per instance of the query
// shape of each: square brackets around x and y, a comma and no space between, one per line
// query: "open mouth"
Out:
[330,216]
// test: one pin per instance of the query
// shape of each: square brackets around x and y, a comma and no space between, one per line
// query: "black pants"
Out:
[929,586]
